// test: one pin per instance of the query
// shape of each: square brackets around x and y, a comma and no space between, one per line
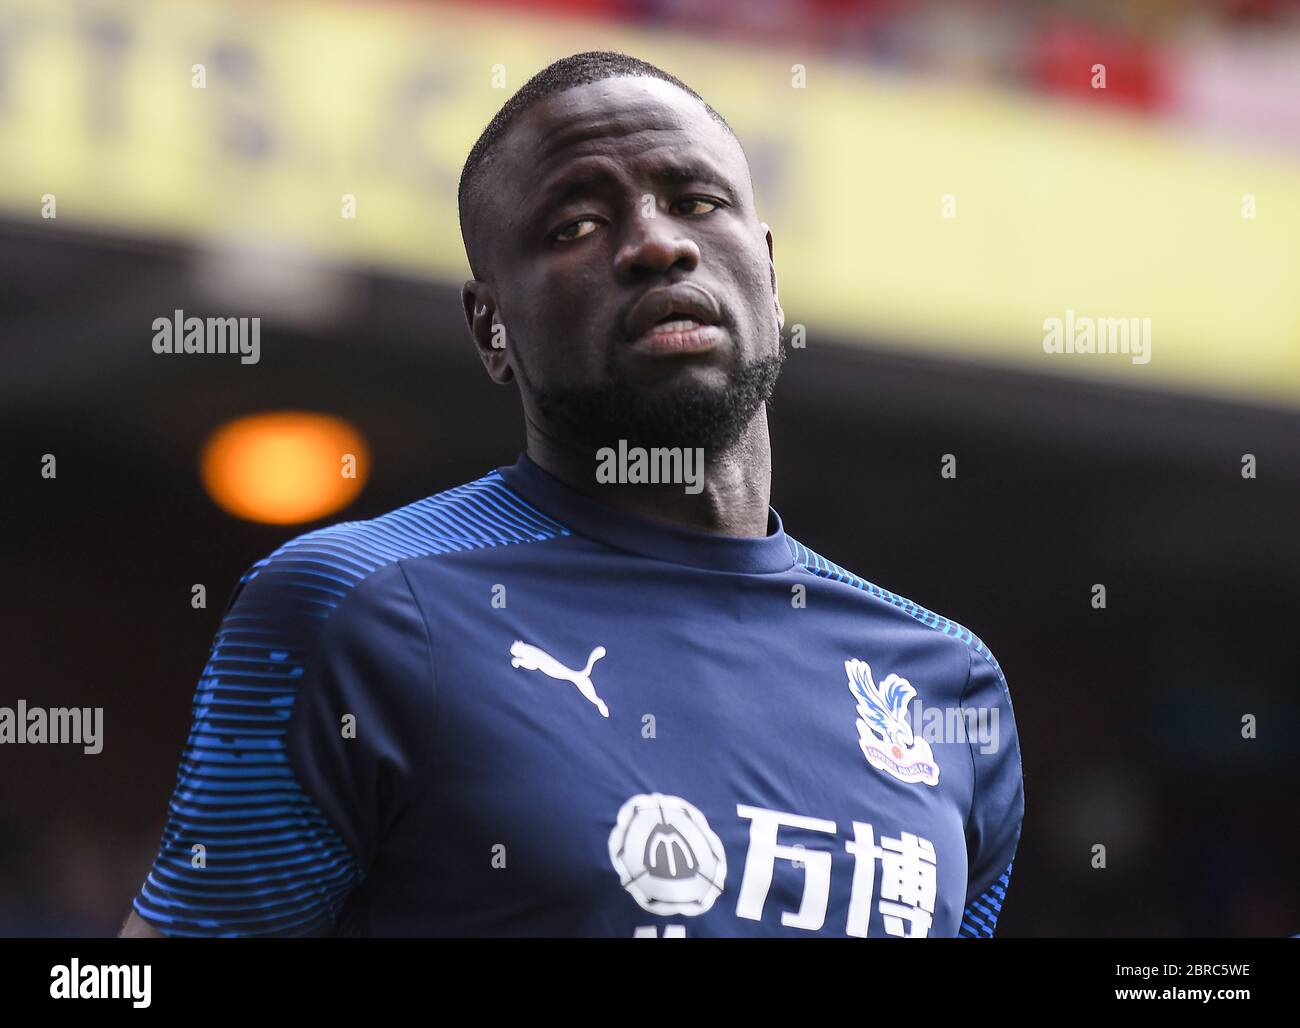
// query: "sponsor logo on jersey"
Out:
[531,658]
[667,856]
[672,863]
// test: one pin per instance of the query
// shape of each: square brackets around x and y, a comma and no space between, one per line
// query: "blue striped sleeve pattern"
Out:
[819,565]
[981,917]
[271,863]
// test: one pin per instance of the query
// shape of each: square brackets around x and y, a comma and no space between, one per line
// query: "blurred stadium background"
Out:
[1172,194]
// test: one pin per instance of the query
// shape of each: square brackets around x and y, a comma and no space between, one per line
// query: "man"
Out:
[600,691]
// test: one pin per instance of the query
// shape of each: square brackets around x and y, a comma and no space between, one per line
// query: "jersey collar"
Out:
[604,524]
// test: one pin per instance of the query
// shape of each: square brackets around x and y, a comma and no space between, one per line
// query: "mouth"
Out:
[681,318]
[678,334]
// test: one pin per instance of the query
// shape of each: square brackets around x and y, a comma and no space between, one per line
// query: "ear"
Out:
[487,330]
[776,299]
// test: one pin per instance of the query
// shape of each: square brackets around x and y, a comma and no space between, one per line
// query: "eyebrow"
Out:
[569,187]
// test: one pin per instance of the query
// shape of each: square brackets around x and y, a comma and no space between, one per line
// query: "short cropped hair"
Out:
[577,70]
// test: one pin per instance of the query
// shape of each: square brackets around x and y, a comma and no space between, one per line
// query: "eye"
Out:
[570,232]
[711,204]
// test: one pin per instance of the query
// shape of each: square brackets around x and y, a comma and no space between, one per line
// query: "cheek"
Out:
[757,318]
[754,280]
[750,262]
[561,334]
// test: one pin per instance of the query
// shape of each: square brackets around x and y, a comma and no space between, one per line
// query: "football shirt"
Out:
[508,709]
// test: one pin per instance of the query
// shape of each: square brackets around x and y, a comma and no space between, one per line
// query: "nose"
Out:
[653,246]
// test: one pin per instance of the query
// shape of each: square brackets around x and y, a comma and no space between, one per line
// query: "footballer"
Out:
[599,691]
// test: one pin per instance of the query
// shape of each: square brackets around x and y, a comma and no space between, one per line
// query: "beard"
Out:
[686,416]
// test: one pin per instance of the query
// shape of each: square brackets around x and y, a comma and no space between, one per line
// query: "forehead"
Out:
[625,121]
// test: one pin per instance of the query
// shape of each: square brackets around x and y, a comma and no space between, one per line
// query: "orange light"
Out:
[286,467]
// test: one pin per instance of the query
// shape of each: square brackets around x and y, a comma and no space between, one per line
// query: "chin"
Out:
[701,370]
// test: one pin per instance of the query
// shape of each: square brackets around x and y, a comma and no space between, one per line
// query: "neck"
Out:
[736,487]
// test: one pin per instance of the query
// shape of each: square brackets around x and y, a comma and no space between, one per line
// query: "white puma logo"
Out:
[530,658]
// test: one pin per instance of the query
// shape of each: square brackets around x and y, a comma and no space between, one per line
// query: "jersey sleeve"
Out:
[311,724]
[998,803]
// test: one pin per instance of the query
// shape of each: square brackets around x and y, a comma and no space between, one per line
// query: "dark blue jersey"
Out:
[507,709]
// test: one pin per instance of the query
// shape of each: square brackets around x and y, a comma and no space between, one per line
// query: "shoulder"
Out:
[945,631]
[315,572]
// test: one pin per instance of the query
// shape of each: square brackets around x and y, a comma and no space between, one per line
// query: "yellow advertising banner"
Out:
[941,218]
